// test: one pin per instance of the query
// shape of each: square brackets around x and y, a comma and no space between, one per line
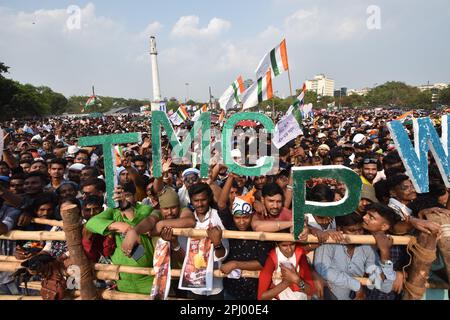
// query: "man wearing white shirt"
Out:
[208,218]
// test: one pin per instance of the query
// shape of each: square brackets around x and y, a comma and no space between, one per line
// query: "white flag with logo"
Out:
[286,130]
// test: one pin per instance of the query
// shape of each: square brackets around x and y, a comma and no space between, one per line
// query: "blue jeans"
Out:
[13,289]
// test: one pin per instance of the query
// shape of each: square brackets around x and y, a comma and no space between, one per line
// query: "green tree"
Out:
[395,94]
[172,105]
[444,96]
[3,68]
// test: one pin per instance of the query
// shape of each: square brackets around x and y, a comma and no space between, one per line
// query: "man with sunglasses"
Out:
[190,177]
[369,169]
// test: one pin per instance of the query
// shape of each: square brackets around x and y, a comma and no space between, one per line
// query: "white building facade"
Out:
[321,85]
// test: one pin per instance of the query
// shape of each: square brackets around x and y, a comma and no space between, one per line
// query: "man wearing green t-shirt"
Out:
[118,221]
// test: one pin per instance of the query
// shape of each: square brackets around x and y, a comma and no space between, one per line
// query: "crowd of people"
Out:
[43,169]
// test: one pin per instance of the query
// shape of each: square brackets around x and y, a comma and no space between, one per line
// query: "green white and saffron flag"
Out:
[89,103]
[231,97]
[276,59]
[259,91]
[180,116]
[197,113]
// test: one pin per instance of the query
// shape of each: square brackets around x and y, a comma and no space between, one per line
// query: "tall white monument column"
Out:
[155,75]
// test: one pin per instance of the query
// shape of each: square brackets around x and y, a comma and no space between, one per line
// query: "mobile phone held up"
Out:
[138,252]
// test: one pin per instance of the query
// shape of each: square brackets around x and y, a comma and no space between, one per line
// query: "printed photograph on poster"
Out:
[197,271]
[161,265]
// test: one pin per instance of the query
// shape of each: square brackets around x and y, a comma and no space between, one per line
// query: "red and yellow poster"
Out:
[197,271]
[161,265]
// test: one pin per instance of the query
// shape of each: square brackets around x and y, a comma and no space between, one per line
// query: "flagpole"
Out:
[290,83]
[210,100]
[93,94]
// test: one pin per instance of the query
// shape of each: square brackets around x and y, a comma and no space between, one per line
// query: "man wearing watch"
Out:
[341,264]
[378,220]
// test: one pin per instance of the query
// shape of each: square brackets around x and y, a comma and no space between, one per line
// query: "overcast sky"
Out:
[210,43]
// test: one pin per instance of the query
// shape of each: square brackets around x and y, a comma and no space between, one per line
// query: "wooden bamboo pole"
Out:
[8,297]
[267,236]
[444,240]
[188,232]
[72,228]
[55,223]
[111,272]
[34,235]
[416,282]
[116,295]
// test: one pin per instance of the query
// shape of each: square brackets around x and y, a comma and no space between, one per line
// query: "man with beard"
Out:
[369,169]
[75,172]
[208,218]
[88,173]
[274,217]
[244,254]
[171,215]
[119,221]
[141,165]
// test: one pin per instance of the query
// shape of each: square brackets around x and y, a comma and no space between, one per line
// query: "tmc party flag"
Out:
[231,97]
[276,60]
[259,91]
[179,116]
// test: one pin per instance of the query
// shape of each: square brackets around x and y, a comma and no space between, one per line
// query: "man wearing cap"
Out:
[74,173]
[369,169]
[323,151]
[170,215]
[190,177]
[367,197]
[244,254]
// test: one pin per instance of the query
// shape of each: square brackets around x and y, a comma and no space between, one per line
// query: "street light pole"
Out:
[187,91]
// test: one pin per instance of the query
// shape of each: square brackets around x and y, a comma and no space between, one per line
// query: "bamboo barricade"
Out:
[267,236]
[248,235]
[111,272]
[55,223]
[189,232]
[72,228]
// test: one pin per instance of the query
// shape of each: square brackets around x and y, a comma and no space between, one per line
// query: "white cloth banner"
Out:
[176,119]
[286,130]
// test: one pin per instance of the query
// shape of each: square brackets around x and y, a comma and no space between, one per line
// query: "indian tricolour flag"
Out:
[89,103]
[231,97]
[259,91]
[297,107]
[276,59]
[180,116]
[221,116]
[197,113]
